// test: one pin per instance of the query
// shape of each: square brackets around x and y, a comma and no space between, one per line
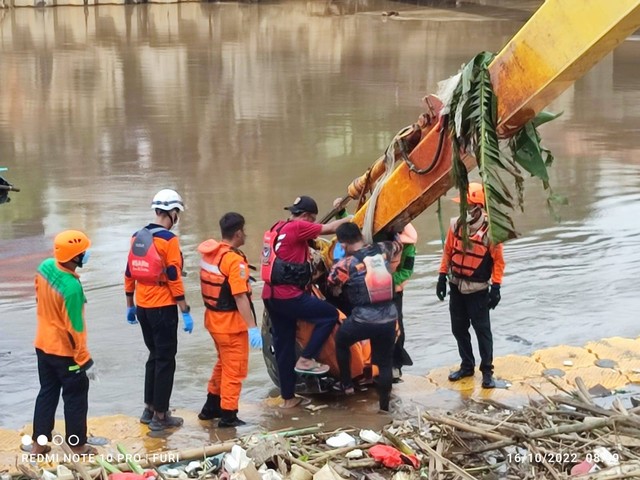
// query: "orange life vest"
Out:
[216,291]
[145,263]
[475,263]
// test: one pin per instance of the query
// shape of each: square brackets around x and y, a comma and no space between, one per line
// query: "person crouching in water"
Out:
[229,318]
[365,275]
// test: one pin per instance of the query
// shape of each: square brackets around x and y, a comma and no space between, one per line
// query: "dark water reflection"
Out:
[245,106]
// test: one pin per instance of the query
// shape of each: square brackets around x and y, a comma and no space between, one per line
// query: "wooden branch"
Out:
[583,392]
[338,451]
[307,466]
[430,451]
[464,426]
[554,473]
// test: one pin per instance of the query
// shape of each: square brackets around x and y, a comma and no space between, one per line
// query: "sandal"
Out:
[300,402]
[29,449]
[316,368]
[86,450]
[345,390]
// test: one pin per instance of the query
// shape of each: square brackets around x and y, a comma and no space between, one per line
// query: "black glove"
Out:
[441,289]
[494,296]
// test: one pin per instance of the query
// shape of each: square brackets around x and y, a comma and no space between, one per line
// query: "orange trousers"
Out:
[230,369]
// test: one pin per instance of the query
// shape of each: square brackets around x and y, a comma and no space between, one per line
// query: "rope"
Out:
[389,160]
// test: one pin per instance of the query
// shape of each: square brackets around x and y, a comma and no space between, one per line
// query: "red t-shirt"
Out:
[293,248]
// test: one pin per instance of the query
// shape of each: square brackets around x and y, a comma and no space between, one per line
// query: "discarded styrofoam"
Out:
[606,457]
[370,436]
[567,363]
[343,439]
[357,453]
[192,467]
[236,460]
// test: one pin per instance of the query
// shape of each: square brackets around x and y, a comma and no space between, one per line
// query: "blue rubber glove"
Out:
[255,337]
[131,315]
[188,322]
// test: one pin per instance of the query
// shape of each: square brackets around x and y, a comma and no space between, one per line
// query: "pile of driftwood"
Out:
[563,436]
[559,437]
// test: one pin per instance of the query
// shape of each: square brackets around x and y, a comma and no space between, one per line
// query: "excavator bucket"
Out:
[557,46]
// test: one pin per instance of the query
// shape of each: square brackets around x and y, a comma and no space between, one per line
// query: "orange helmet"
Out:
[475,194]
[69,244]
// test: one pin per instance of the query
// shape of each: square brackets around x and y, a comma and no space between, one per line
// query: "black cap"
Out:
[303,204]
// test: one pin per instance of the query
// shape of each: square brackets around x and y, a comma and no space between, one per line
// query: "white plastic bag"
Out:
[236,460]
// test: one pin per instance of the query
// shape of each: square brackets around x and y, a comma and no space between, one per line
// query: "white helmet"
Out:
[167,200]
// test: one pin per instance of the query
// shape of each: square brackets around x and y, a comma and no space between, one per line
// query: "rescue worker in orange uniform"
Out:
[229,317]
[157,303]
[476,276]
[61,343]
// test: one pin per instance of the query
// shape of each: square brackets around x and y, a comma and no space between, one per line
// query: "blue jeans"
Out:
[284,316]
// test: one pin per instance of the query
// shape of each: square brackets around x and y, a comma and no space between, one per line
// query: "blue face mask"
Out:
[84,259]
[338,252]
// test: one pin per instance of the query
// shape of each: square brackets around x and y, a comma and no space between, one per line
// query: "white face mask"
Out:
[474,213]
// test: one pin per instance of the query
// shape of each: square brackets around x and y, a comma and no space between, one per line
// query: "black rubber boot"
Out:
[458,374]
[230,419]
[211,408]
[384,395]
[487,380]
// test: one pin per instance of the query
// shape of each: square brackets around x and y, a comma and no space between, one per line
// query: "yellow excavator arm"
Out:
[557,46]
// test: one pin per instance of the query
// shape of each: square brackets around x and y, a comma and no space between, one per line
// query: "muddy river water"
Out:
[244,107]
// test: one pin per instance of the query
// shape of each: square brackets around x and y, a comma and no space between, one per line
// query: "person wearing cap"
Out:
[287,274]
[61,343]
[156,307]
[476,276]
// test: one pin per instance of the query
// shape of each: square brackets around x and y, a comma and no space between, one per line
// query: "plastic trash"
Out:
[370,436]
[63,473]
[606,457]
[126,476]
[357,453]
[392,457]
[269,474]
[46,475]
[298,473]
[582,468]
[341,440]
[236,460]
[327,473]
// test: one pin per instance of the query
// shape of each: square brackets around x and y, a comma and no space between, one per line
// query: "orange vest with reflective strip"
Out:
[474,263]
[216,291]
